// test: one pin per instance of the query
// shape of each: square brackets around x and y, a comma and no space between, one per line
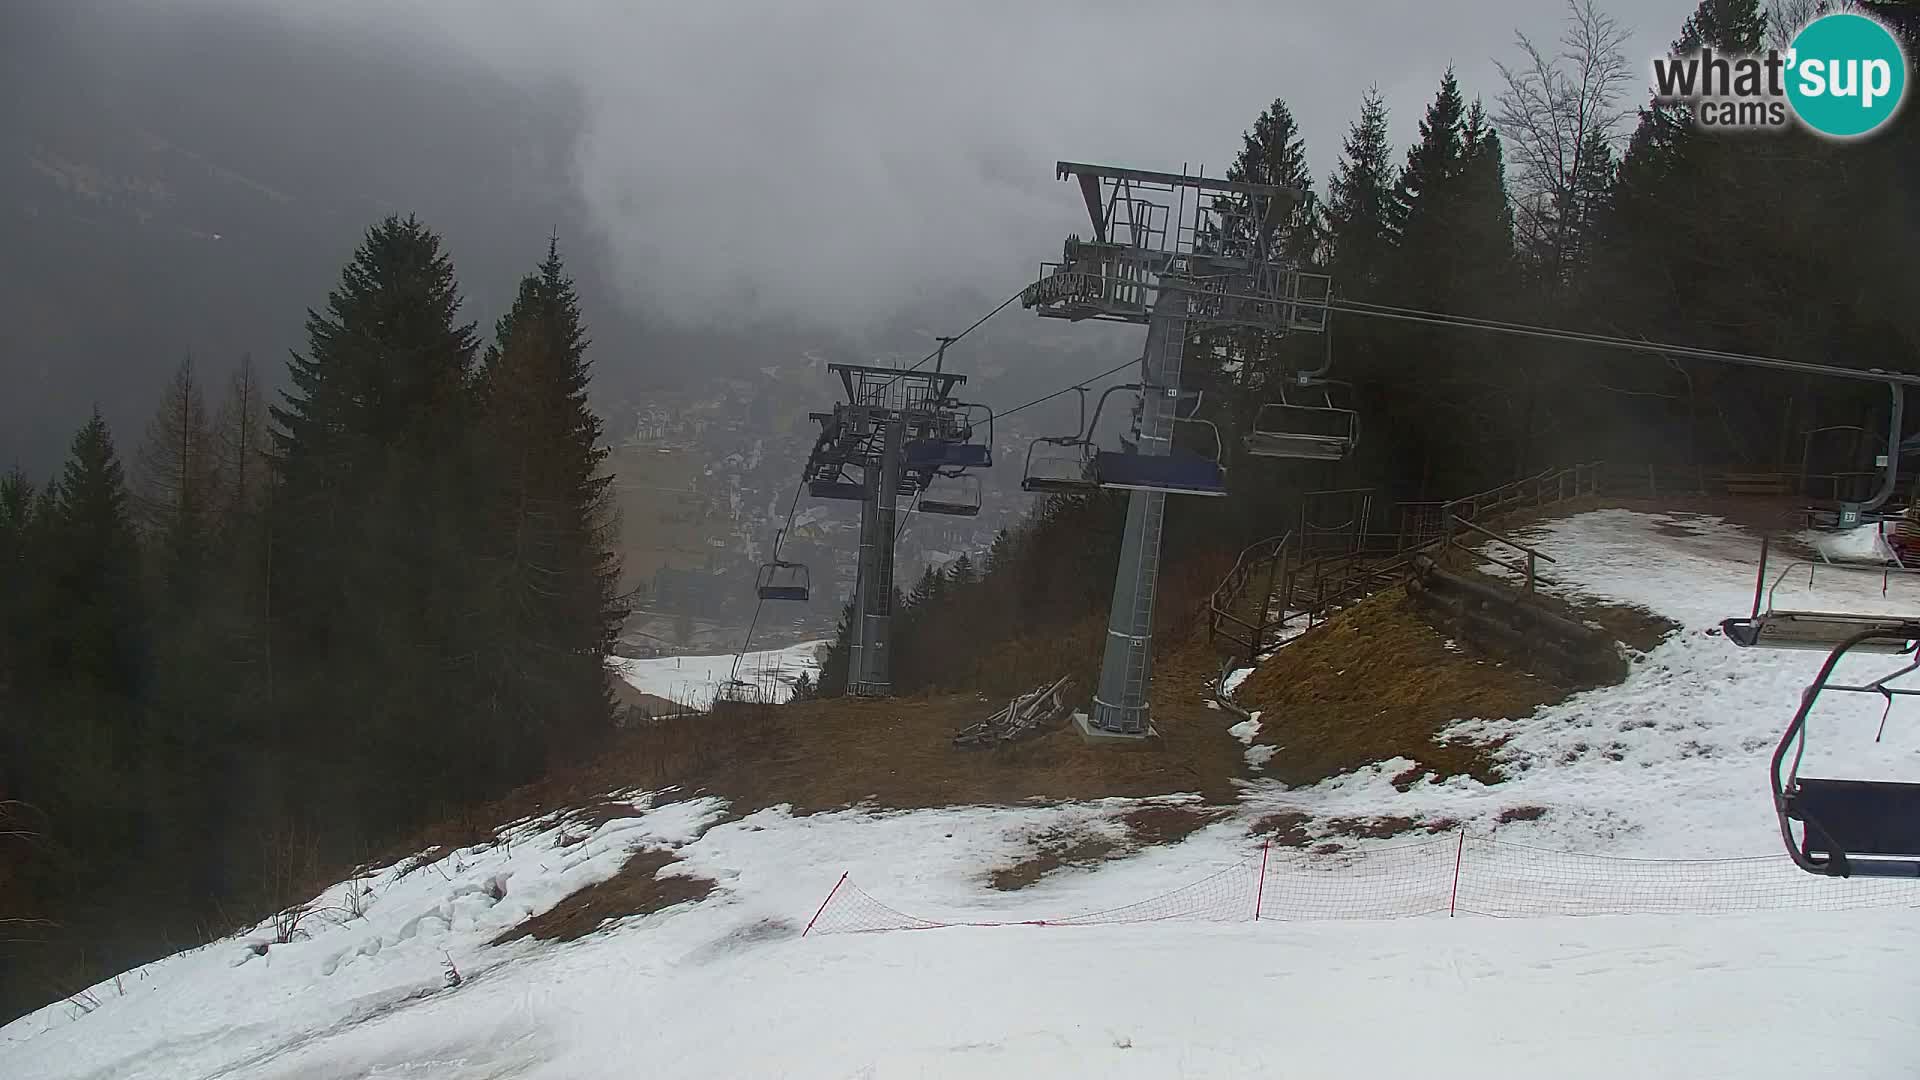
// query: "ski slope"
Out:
[728,987]
[694,680]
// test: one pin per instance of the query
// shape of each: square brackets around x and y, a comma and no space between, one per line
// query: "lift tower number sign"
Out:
[1843,76]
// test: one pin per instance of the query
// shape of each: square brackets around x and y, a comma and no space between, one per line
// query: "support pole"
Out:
[1120,704]
[873,633]
[1453,900]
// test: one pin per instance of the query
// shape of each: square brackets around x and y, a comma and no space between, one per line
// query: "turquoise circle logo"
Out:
[1848,75]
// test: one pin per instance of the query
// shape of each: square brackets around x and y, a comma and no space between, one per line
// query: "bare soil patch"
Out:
[1146,826]
[638,889]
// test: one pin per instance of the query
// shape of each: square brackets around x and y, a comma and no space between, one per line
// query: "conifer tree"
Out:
[1272,152]
[1361,211]
[549,565]
[1425,208]
[374,521]
[94,615]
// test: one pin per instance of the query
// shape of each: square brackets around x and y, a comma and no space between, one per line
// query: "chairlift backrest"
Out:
[1773,627]
[1868,828]
[1059,473]
[782,580]
[961,497]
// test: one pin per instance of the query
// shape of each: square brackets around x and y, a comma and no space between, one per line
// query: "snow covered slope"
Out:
[693,680]
[1669,764]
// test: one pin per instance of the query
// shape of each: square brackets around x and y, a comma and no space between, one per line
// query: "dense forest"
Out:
[278,636]
[272,638]
[1553,203]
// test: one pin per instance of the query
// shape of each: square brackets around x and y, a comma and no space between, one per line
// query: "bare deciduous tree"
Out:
[1560,116]
[241,440]
[1786,17]
[178,467]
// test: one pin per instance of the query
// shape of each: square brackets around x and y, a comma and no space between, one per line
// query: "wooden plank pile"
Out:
[1024,715]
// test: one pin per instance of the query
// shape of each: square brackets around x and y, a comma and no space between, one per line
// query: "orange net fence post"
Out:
[1457,874]
[1509,880]
[1385,882]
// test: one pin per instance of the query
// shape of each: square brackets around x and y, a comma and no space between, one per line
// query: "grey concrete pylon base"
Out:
[1084,725]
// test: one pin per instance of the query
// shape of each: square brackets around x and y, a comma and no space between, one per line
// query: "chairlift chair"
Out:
[1178,472]
[836,488]
[1064,471]
[737,691]
[959,496]
[1820,631]
[1060,472]
[780,580]
[954,445]
[1283,429]
[1866,828]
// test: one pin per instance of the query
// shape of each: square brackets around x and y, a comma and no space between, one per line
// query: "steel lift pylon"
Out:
[1179,253]
[896,431]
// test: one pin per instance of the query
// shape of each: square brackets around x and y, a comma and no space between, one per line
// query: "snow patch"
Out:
[695,680]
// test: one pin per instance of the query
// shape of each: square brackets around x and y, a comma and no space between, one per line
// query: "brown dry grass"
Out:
[1146,826]
[1288,828]
[898,753]
[1377,682]
[890,753]
[638,889]
[1053,850]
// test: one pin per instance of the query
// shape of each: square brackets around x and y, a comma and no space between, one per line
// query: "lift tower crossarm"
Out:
[1093,174]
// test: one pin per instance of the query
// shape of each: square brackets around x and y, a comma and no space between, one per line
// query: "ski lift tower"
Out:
[892,418]
[1178,253]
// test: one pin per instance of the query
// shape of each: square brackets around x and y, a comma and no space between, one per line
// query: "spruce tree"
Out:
[550,569]
[1361,211]
[21,576]
[94,614]
[374,521]
[1425,210]
[1272,152]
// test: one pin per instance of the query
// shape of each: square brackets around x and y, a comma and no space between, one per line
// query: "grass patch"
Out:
[1377,682]
[1155,824]
[1287,828]
[1387,826]
[638,889]
[1146,826]
[1053,850]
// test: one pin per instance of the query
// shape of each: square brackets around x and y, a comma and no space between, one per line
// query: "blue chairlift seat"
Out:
[836,489]
[942,454]
[1180,472]
[1848,828]
[1844,819]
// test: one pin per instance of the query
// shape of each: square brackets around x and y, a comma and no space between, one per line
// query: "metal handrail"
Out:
[1355,577]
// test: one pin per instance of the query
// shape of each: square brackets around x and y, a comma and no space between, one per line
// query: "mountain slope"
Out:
[728,986]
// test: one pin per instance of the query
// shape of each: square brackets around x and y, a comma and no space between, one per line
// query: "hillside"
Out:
[708,973]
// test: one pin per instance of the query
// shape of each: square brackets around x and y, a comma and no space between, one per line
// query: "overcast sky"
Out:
[802,156]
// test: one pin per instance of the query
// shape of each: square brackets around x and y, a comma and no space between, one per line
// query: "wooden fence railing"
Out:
[1294,590]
